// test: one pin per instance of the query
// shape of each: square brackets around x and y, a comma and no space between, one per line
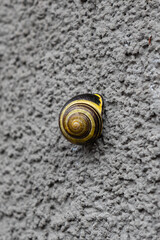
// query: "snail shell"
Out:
[80,119]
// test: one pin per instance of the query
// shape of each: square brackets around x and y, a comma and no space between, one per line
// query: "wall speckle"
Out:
[49,52]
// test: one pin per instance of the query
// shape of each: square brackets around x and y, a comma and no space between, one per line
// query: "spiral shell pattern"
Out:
[80,119]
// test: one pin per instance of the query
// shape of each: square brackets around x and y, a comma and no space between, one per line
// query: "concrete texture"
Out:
[50,51]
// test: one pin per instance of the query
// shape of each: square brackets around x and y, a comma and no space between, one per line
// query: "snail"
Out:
[80,119]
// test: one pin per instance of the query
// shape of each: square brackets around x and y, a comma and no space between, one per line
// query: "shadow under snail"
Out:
[80,119]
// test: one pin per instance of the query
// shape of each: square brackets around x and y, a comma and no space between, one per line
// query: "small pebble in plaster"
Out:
[150,40]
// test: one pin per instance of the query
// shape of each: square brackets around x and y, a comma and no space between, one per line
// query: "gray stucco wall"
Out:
[51,51]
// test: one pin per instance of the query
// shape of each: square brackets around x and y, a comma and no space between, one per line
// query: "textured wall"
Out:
[50,51]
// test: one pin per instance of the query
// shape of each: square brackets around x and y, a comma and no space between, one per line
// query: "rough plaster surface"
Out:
[50,51]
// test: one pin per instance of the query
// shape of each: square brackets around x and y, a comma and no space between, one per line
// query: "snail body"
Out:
[80,119]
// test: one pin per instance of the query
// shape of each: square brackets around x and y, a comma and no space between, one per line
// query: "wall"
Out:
[51,51]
